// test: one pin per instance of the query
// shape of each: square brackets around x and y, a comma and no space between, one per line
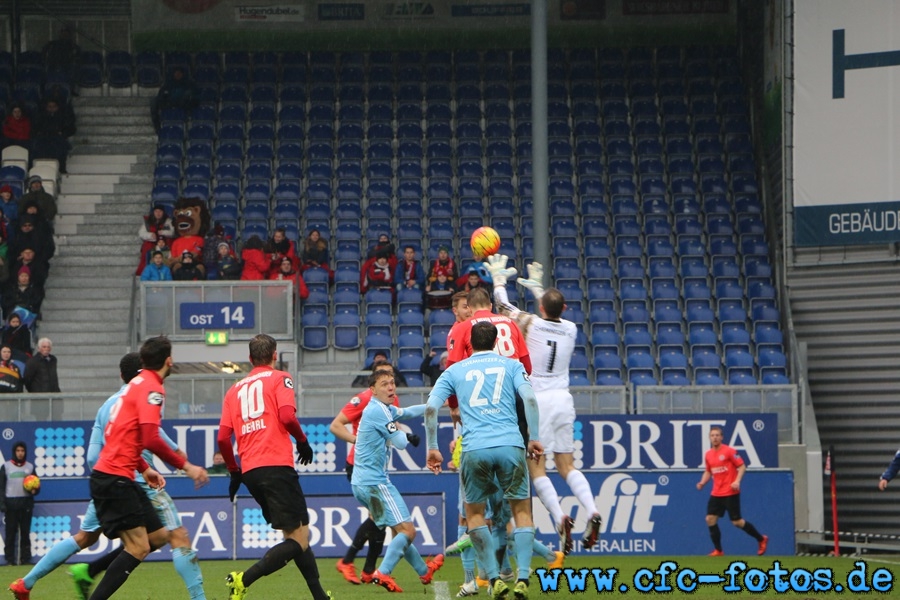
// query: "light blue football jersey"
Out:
[485,385]
[377,427]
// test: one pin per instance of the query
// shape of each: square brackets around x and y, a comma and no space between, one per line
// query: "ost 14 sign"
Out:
[217,315]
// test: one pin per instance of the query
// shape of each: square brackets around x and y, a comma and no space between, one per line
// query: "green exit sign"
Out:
[216,338]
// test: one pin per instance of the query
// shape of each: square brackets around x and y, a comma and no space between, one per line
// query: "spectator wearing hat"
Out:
[227,266]
[384,243]
[156,226]
[30,235]
[157,270]
[211,241]
[45,202]
[377,273]
[287,272]
[443,264]
[255,259]
[10,207]
[178,91]
[433,365]
[16,128]
[188,269]
[23,293]
[27,258]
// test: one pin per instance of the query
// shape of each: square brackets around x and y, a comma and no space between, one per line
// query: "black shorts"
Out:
[349,470]
[717,506]
[277,491]
[121,504]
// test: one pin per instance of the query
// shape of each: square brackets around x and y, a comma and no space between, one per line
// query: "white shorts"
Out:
[557,413]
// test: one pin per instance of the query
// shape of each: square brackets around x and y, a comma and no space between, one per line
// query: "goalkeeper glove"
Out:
[535,281]
[234,485]
[496,266]
[305,452]
[413,439]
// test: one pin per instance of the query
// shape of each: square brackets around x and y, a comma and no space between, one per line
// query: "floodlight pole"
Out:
[539,161]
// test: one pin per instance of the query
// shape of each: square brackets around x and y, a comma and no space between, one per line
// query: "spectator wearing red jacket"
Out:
[17,129]
[256,260]
[287,272]
[377,274]
[282,247]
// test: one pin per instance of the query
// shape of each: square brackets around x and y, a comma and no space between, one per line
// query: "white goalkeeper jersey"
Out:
[550,345]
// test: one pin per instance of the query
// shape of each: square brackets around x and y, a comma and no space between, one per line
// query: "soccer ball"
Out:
[485,242]
[32,483]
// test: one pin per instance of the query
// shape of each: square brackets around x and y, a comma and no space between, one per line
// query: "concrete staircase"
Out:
[102,199]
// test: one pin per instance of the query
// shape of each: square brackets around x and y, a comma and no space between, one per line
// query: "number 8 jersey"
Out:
[250,409]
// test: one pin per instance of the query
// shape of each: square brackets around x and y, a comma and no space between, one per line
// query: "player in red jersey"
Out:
[260,411]
[510,342]
[123,508]
[726,468]
[368,530]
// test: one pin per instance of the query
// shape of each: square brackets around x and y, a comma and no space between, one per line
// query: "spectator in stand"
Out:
[187,269]
[474,278]
[439,293]
[157,270]
[433,365]
[177,92]
[42,227]
[53,125]
[156,226]
[218,466]
[27,258]
[16,128]
[255,259]
[315,253]
[23,293]
[377,274]
[61,56]
[227,266]
[10,376]
[409,274]
[29,235]
[443,264]
[287,272]
[379,359]
[36,194]
[10,208]
[384,243]
[282,247]
[18,337]
[40,370]
[214,237]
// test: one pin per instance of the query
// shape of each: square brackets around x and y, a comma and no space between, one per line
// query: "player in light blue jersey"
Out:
[183,555]
[486,385]
[377,434]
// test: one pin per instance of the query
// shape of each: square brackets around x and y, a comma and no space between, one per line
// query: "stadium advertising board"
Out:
[608,442]
[846,130]
[644,512]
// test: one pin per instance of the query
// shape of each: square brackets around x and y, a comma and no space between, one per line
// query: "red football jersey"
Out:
[353,411]
[142,402]
[723,464]
[251,408]
[510,341]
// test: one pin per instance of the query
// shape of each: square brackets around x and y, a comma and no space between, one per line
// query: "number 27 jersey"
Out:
[251,410]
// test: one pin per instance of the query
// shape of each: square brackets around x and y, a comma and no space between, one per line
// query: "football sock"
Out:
[751,531]
[359,540]
[524,537]
[499,536]
[376,545]
[484,551]
[415,559]
[102,563]
[306,562]
[716,536]
[467,556]
[185,561]
[579,485]
[277,556]
[58,554]
[116,575]
[396,550]
[547,494]
[543,551]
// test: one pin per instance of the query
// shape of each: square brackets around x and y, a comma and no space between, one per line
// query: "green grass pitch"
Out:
[158,580]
